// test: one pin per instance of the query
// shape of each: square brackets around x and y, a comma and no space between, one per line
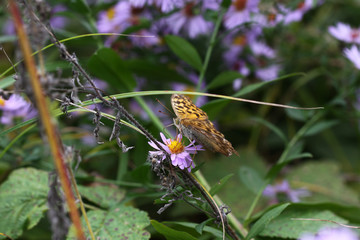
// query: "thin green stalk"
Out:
[282,159]
[122,165]
[210,49]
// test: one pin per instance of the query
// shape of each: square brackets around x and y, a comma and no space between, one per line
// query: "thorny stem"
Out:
[116,105]
[212,203]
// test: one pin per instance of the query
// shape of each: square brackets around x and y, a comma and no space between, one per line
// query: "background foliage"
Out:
[317,151]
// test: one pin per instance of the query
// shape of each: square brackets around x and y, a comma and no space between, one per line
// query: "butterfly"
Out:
[194,123]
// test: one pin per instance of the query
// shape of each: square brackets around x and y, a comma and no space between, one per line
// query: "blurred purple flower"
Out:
[15,106]
[186,20]
[268,73]
[273,18]
[179,154]
[57,21]
[240,12]
[345,33]
[114,20]
[327,233]
[261,49]
[353,54]
[297,14]
[272,192]
[144,38]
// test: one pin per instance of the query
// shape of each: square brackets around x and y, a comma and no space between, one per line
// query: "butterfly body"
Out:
[195,124]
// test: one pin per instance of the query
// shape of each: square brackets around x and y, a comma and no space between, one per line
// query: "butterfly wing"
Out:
[204,133]
[185,108]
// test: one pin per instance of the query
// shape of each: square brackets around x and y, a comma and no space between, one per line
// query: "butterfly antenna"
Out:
[164,107]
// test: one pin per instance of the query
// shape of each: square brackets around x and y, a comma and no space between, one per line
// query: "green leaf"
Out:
[264,220]
[220,184]
[272,127]
[299,115]
[299,156]
[320,126]
[255,86]
[120,222]
[22,200]
[200,227]
[104,196]
[286,225]
[326,181]
[223,79]
[155,71]
[169,233]
[106,64]
[214,231]
[251,178]
[8,81]
[184,50]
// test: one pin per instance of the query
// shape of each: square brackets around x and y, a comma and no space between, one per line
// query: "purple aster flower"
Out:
[272,192]
[297,14]
[9,27]
[16,106]
[353,54]
[345,33]
[186,20]
[179,154]
[261,49]
[271,19]
[268,73]
[328,233]
[58,21]
[240,12]
[114,19]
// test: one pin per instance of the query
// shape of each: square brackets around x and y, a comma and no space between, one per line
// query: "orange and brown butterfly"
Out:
[194,123]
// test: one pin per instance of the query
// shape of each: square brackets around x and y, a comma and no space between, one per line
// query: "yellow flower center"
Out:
[240,40]
[175,146]
[2,102]
[110,13]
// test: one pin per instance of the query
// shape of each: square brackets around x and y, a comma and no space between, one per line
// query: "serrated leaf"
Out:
[264,220]
[184,50]
[250,178]
[120,222]
[169,233]
[220,184]
[104,196]
[22,200]
[320,126]
[285,226]
[106,64]
[327,181]
[223,79]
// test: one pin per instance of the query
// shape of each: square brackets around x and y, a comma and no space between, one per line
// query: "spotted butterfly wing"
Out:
[195,124]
